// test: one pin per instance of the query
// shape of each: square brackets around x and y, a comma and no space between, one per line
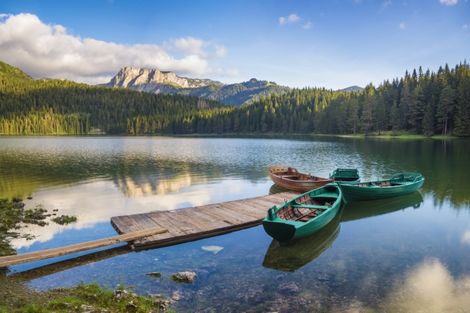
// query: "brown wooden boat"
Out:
[290,178]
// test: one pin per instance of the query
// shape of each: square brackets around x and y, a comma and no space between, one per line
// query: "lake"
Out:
[403,254]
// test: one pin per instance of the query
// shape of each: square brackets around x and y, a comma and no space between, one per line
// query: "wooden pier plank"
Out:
[193,223]
[55,252]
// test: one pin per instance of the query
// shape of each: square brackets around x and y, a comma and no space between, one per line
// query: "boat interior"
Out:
[306,207]
[385,183]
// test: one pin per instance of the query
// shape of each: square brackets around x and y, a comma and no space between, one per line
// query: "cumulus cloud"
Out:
[307,25]
[290,19]
[45,50]
[449,2]
[189,45]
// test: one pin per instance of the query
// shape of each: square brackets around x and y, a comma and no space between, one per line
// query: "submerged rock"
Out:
[289,288]
[176,296]
[213,249]
[154,274]
[184,277]
[162,303]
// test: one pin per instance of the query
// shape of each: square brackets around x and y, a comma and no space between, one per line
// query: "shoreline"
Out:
[383,135]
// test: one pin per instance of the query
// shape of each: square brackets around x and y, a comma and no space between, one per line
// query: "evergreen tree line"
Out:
[420,102]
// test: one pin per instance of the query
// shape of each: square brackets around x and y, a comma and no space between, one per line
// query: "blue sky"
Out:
[296,43]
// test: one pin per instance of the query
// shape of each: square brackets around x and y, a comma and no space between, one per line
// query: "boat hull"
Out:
[357,192]
[291,179]
[285,230]
[298,186]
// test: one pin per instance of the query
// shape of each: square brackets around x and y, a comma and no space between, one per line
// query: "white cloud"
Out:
[45,50]
[307,25]
[290,19]
[402,25]
[189,45]
[449,2]
[220,51]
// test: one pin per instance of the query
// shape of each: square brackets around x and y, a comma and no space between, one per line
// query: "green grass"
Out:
[19,298]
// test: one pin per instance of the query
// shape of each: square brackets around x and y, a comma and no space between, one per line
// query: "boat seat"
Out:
[311,206]
[293,213]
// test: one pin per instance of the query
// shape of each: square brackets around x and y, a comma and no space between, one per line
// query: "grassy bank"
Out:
[82,298]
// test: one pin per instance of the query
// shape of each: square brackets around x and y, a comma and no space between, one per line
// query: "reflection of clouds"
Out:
[430,288]
[466,238]
[97,201]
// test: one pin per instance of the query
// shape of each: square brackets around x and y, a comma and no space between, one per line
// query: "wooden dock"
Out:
[164,228]
[194,223]
[55,252]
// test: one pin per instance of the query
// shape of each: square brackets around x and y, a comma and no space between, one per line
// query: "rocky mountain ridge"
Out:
[156,81]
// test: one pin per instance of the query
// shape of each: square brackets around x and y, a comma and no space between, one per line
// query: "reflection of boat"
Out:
[304,214]
[276,189]
[363,209]
[291,256]
[290,178]
[398,185]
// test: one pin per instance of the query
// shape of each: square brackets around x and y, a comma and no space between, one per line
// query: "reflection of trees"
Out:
[23,174]
[444,163]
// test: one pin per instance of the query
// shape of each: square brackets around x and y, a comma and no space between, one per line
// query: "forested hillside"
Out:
[30,106]
[421,102]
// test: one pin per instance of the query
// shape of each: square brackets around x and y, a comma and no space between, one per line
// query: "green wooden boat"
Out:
[398,185]
[345,175]
[303,215]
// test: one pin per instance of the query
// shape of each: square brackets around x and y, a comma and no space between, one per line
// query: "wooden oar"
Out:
[55,252]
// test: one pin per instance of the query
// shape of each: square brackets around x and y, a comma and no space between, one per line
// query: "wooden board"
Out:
[198,222]
[54,252]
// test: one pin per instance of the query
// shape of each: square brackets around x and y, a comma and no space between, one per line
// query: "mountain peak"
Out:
[145,78]
[156,81]
[352,88]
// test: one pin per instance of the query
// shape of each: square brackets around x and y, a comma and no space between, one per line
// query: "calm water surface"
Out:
[403,254]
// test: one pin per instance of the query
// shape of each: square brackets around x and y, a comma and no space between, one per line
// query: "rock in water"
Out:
[213,249]
[184,277]
[154,274]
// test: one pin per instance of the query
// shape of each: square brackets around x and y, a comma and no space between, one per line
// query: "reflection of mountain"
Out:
[21,175]
[293,256]
[142,186]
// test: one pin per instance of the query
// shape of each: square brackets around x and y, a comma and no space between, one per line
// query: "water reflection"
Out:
[363,209]
[430,288]
[289,257]
[292,256]
[97,201]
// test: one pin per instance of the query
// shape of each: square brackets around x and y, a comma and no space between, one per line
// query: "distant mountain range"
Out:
[352,89]
[156,81]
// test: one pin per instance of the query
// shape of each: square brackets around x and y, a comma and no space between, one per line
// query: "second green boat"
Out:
[304,214]
[398,185]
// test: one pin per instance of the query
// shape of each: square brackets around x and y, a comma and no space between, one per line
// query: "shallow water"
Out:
[400,254]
